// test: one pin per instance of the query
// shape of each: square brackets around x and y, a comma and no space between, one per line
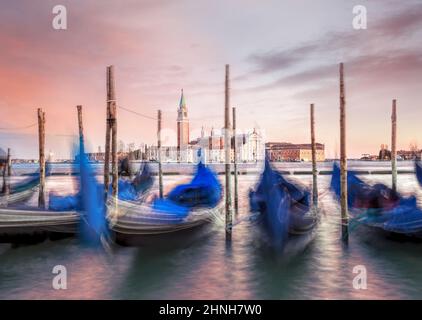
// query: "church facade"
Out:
[208,148]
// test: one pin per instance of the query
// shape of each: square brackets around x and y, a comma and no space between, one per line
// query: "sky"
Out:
[283,55]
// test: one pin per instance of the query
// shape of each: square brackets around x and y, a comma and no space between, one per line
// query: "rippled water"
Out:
[208,268]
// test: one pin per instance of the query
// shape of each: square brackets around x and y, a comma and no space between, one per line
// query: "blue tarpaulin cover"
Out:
[282,205]
[203,190]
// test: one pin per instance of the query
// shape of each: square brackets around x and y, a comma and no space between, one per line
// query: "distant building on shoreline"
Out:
[250,148]
[210,148]
[250,145]
[284,151]
[413,154]
[410,154]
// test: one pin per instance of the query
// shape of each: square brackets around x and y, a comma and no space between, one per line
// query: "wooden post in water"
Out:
[314,160]
[394,144]
[236,200]
[9,163]
[81,132]
[160,169]
[113,125]
[41,147]
[130,158]
[343,160]
[227,143]
[108,134]
[111,134]
[5,188]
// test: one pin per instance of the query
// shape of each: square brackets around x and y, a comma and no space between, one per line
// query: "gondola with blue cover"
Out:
[23,190]
[82,214]
[186,208]
[284,208]
[128,190]
[380,207]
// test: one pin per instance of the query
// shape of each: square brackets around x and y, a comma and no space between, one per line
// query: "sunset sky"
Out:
[283,56]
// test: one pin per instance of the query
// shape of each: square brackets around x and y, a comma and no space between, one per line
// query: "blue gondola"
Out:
[379,206]
[186,208]
[284,208]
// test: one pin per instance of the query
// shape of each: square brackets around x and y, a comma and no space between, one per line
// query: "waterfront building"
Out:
[284,151]
[250,147]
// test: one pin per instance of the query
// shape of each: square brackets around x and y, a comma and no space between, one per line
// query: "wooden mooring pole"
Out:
[394,145]
[114,158]
[108,134]
[160,169]
[343,160]
[236,200]
[9,163]
[314,160]
[111,134]
[41,147]
[227,140]
[81,132]
[130,158]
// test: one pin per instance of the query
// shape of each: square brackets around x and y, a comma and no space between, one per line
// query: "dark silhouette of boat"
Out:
[378,206]
[285,213]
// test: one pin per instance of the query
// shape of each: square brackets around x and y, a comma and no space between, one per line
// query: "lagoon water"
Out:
[208,268]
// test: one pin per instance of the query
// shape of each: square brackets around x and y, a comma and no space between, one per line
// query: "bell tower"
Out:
[182,128]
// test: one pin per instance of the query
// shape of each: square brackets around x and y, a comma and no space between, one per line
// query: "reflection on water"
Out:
[210,269]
